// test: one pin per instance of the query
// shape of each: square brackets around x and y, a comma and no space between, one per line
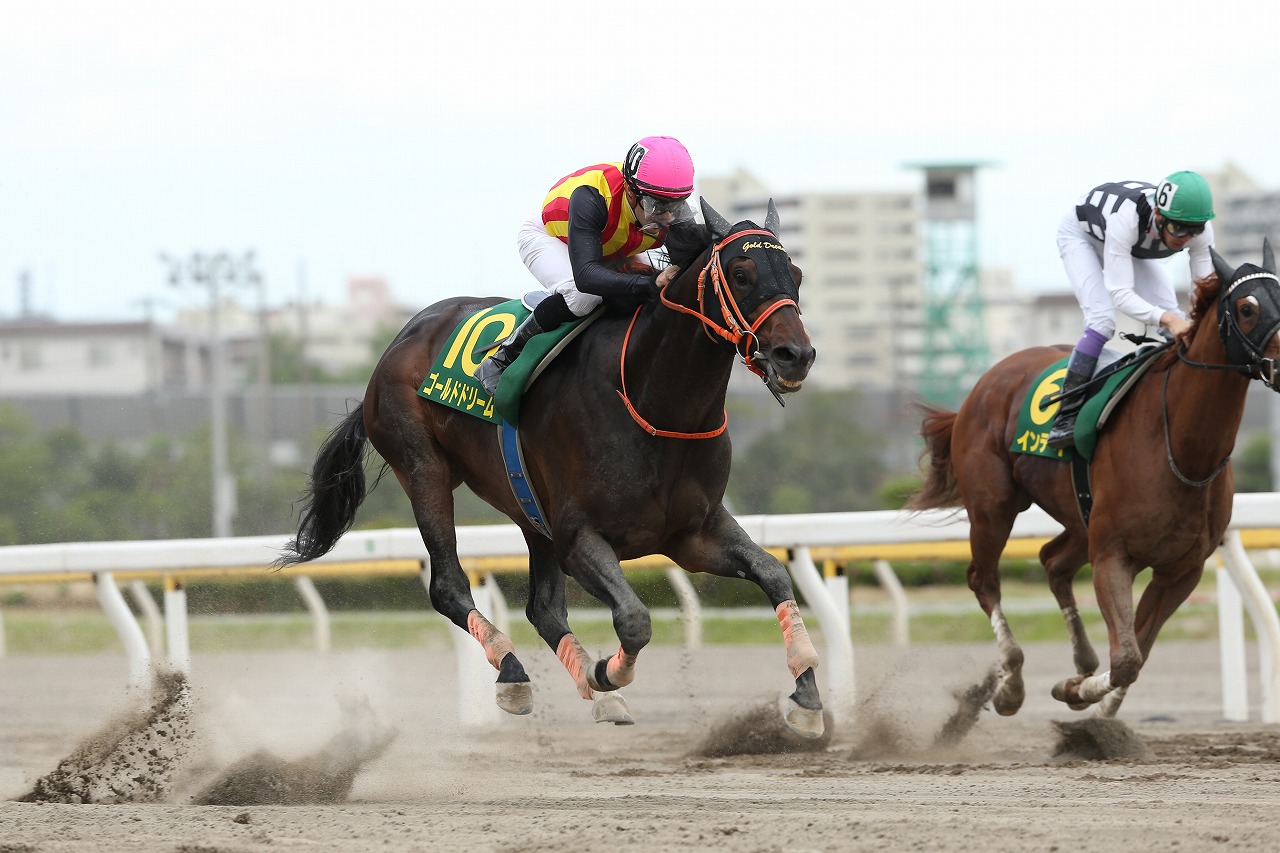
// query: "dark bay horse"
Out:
[1162,481]
[624,444]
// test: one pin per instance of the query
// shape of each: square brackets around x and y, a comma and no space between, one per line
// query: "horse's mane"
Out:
[686,240]
[1203,297]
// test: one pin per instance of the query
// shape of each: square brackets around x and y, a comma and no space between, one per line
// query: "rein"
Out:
[1250,371]
[735,329]
[1168,444]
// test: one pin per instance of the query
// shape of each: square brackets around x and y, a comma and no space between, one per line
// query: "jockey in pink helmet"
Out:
[590,223]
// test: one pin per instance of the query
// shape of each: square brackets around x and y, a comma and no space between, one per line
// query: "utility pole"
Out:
[213,271]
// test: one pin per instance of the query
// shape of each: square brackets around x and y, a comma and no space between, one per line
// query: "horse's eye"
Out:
[1248,307]
[740,276]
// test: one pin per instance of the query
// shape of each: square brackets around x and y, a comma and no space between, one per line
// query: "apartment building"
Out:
[863,290]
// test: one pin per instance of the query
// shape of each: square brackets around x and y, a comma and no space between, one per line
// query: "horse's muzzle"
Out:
[785,367]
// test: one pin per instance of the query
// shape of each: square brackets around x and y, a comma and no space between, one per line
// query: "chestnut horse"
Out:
[624,445]
[1162,481]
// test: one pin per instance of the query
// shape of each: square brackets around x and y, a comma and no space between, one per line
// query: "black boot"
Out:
[1079,371]
[490,370]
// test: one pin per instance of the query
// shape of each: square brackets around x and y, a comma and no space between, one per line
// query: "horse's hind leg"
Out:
[723,548]
[450,589]
[1062,558]
[989,527]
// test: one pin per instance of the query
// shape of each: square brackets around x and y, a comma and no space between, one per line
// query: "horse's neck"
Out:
[1205,407]
[677,377]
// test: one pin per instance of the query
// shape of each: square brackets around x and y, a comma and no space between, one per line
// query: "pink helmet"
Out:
[659,165]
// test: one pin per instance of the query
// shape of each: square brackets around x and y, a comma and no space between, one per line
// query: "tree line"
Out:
[818,456]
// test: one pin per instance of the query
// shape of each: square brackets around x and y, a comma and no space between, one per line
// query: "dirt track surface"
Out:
[556,781]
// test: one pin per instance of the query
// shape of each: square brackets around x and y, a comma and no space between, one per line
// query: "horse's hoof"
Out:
[806,722]
[515,697]
[1067,691]
[1008,702]
[611,708]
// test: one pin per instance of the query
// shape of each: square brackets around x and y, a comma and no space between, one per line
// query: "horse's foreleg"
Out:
[1158,602]
[724,549]
[548,612]
[591,562]
[1113,584]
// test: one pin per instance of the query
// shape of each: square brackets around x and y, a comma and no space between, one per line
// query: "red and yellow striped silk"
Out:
[622,237]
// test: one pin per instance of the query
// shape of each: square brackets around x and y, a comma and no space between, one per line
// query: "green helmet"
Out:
[1185,196]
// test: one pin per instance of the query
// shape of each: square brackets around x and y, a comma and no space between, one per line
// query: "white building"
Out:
[334,338]
[44,358]
[863,294]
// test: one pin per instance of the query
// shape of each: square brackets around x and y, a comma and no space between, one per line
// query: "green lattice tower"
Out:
[955,342]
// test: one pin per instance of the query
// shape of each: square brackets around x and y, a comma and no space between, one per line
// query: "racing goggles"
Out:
[655,206]
[1183,229]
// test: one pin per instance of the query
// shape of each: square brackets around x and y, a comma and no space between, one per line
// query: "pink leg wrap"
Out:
[621,669]
[577,661]
[496,644]
[801,654]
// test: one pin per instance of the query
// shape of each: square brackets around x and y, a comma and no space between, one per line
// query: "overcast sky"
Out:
[410,139]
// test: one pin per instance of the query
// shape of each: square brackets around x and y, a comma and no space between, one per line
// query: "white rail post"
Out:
[477,701]
[1262,612]
[155,622]
[837,583]
[176,624]
[135,645]
[501,615]
[1231,650]
[690,607]
[900,628]
[319,612]
[839,664]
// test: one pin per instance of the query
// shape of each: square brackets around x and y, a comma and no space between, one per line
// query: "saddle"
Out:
[1104,393]
[451,382]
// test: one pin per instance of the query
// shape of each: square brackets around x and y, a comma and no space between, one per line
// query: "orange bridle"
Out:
[736,328]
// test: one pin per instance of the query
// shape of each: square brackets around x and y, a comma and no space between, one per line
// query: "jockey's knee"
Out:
[581,304]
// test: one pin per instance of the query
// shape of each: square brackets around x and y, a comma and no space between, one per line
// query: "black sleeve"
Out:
[588,217]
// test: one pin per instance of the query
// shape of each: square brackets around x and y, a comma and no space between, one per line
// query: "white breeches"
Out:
[547,258]
[1082,257]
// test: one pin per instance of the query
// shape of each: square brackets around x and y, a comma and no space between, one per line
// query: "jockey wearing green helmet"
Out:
[1112,243]
[1184,197]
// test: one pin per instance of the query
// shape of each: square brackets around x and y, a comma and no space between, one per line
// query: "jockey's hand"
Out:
[1173,323]
[665,278]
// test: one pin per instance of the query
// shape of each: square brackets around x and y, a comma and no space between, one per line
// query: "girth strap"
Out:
[513,461]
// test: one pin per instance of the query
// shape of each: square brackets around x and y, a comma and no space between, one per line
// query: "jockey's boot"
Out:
[1079,371]
[490,370]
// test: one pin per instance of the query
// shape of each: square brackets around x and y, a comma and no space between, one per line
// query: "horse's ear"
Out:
[1225,271]
[771,221]
[1268,256]
[720,227]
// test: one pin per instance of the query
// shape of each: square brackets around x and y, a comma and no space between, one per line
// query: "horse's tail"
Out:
[939,488]
[335,492]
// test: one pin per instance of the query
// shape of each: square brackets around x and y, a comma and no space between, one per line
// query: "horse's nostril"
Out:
[784,355]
